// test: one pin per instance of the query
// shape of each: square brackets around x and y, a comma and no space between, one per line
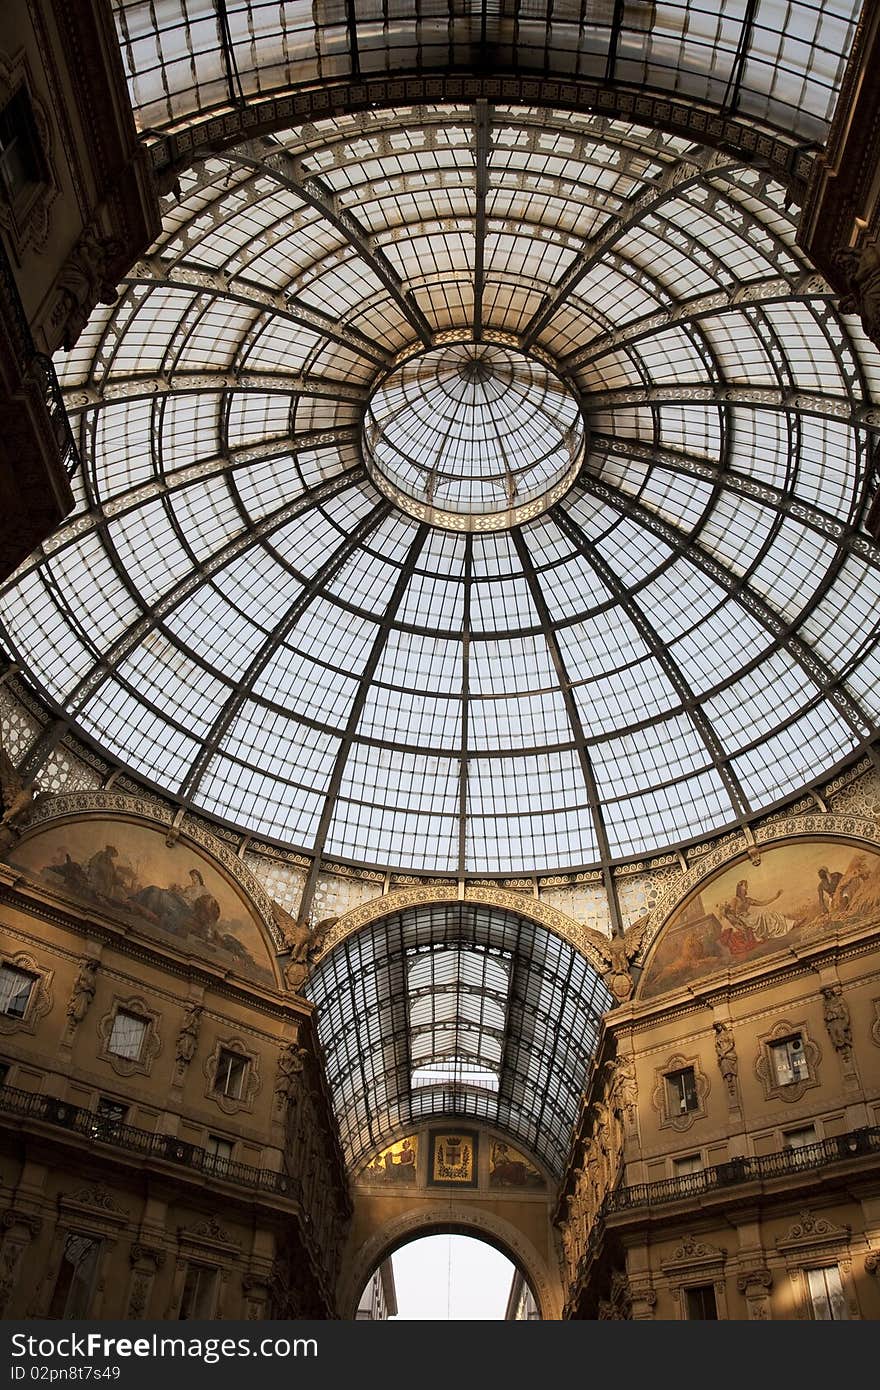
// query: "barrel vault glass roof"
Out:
[777,60]
[506,1014]
[236,613]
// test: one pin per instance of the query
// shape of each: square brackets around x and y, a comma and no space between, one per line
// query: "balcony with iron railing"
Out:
[724,1178]
[105,1131]
[742,1170]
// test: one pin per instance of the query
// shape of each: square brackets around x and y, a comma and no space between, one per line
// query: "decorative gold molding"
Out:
[585,940]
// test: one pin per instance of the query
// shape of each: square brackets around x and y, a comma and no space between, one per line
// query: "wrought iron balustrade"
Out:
[743,1170]
[103,1129]
[856,1143]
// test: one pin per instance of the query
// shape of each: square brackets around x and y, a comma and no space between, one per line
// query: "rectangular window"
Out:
[72,1295]
[15,991]
[4,1072]
[127,1035]
[231,1074]
[198,1292]
[691,1163]
[689,1173]
[700,1303]
[681,1091]
[219,1153]
[789,1060]
[800,1138]
[109,1116]
[22,166]
[826,1294]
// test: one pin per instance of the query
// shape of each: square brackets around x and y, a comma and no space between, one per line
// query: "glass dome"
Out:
[473,436]
[676,639]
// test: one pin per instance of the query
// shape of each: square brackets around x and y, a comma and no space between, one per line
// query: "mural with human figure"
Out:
[800,891]
[394,1165]
[127,869]
[510,1168]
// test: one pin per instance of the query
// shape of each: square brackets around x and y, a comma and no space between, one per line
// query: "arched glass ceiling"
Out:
[456,1009]
[236,613]
[771,59]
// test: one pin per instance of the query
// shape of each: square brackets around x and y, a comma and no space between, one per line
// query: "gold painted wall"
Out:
[224,1171]
[752,1174]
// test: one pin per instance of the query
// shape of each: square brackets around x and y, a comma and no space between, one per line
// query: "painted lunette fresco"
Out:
[799,892]
[126,869]
[395,1164]
[510,1168]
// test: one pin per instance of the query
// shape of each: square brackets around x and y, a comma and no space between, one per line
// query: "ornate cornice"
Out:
[589,943]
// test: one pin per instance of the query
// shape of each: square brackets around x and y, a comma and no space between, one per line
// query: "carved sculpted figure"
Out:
[16,797]
[725,1051]
[83,991]
[188,1037]
[618,978]
[861,267]
[623,1090]
[837,1019]
[85,280]
[291,1061]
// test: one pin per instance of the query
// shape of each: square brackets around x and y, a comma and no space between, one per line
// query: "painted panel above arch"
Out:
[789,894]
[155,883]
[496,1164]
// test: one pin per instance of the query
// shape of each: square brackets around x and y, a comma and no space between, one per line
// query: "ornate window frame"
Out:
[150,1048]
[90,1211]
[252,1083]
[28,226]
[765,1071]
[40,998]
[813,1242]
[680,1120]
[694,1264]
[210,1245]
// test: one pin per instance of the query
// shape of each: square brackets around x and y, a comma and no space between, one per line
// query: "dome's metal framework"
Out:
[237,615]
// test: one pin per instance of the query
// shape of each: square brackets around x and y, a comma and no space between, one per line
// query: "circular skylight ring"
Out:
[473,437]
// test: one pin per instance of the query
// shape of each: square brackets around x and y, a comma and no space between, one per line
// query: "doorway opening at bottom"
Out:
[447,1278]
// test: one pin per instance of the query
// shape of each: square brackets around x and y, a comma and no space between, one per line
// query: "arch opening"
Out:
[447,1272]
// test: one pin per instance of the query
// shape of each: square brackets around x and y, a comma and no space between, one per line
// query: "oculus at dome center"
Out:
[473,436]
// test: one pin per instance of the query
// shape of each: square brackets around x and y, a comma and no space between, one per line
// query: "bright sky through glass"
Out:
[451,1278]
[473,431]
[234,611]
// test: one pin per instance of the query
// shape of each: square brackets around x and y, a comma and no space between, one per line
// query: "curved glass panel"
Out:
[778,61]
[237,613]
[460,1010]
[473,437]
